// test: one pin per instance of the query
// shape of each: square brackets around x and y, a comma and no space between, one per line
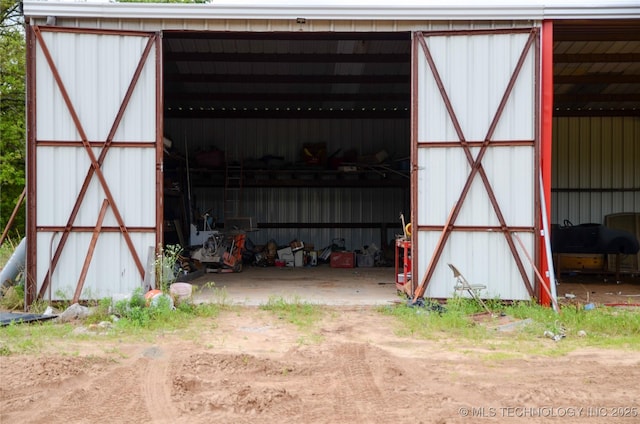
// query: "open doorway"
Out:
[596,148]
[292,137]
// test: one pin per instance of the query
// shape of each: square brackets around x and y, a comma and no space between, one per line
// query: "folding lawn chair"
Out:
[473,289]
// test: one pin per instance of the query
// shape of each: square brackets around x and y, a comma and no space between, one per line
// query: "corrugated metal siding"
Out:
[82,65]
[96,71]
[475,70]
[283,25]
[112,269]
[315,205]
[596,168]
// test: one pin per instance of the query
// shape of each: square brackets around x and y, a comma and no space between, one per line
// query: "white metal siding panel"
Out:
[447,172]
[96,71]
[481,258]
[475,95]
[87,61]
[54,120]
[595,168]
[129,172]
[475,70]
[111,258]
[131,176]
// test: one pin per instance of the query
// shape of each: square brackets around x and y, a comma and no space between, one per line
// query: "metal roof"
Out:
[276,73]
[596,71]
[597,67]
[339,9]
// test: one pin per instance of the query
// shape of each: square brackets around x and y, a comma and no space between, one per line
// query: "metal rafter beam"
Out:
[288,79]
[597,79]
[585,98]
[286,36]
[596,112]
[596,58]
[196,113]
[172,97]
[280,58]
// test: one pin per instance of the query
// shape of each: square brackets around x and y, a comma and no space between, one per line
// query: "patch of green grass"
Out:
[600,323]
[135,319]
[311,339]
[501,356]
[12,298]
[301,314]
[603,327]
[219,294]
[431,321]
[7,248]
[135,316]
[32,337]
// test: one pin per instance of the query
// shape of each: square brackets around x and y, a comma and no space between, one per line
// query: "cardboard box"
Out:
[343,260]
[286,255]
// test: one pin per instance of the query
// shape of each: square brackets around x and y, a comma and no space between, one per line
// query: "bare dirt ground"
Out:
[248,366]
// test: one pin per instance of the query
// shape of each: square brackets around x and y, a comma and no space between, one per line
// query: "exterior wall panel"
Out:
[95,71]
[595,168]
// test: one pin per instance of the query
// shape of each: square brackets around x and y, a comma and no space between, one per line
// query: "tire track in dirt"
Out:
[90,400]
[236,388]
[79,390]
[354,389]
[156,386]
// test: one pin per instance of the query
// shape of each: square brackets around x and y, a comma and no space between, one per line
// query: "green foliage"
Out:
[38,306]
[10,14]
[32,337]
[167,266]
[12,297]
[433,320]
[601,323]
[6,250]
[129,318]
[602,327]
[4,351]
[12,113]
[136,314]
[101,312]
[301,314]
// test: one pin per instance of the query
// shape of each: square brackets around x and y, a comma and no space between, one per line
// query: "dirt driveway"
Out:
[249,366]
